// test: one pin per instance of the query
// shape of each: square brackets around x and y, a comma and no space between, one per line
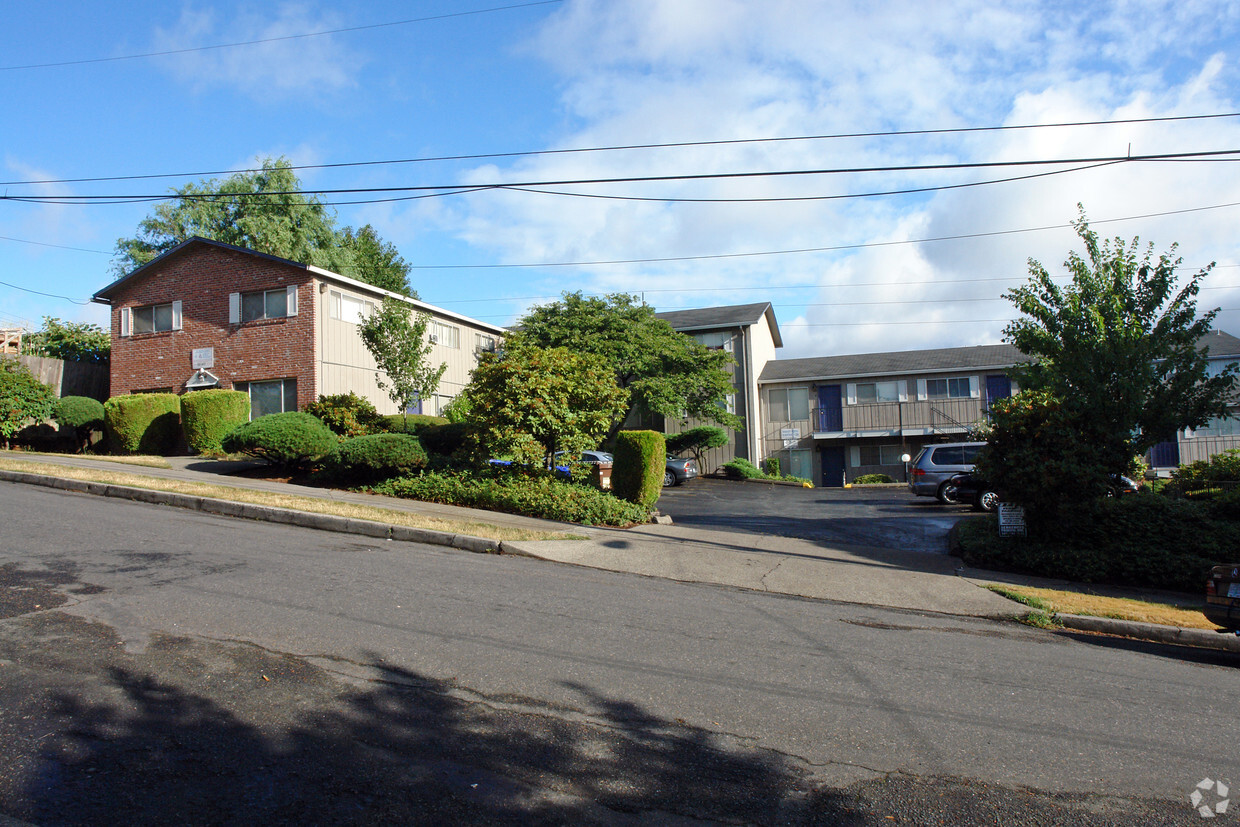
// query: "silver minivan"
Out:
[930,470]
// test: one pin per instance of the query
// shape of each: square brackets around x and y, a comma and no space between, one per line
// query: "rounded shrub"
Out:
[347,414]
[639,462]
[292,440]
[872,479]
[79,414]
[742,469]
[446,439]
[377,457]
[146,423]
[208,415]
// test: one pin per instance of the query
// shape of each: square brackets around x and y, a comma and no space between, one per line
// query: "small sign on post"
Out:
[203,357]
[1011,520]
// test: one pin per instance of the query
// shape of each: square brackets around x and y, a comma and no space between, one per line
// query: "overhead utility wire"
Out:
[622,147]
[646,179]
[40,293]
[277,39]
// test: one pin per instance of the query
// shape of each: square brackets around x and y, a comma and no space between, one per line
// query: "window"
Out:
[788,404]
[1217,426]
[265,304]
[156,318]
[349,308]
[445,334]
[957,388]
[485,343]
[801,464]
[715,341]
[880,455]
[272,396]
[870,392]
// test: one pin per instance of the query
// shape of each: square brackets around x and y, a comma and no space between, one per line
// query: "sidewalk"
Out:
[781,565]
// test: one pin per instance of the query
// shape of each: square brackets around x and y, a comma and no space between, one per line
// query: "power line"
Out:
[40,293]
[56,246]
[275,39]
[627,147]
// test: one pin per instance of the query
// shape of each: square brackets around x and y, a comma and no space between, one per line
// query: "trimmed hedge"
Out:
[1133,540]
[208,415]
[742,469]
[872,479]
[640,461]
[376,457]
[446,439]
[81,415]
[293,440]
[143,423]
[347,414]
[410,423]
[534,495]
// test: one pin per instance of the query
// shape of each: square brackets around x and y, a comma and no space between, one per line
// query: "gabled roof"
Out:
[982,357]
[105,295]
[1218,343]
[713,318]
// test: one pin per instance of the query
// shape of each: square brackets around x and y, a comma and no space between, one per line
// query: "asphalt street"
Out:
[160,665]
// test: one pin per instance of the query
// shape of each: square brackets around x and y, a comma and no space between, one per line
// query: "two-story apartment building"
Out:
[208,314]
[750,333]
[833,418]
[1217,435]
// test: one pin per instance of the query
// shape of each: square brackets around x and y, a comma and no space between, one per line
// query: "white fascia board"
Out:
[363,287]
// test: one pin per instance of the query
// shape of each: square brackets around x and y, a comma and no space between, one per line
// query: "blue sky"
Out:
[581,73]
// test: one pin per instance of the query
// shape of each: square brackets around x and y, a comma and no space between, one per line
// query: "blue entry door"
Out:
[832,466]
[830,408]
[997,387]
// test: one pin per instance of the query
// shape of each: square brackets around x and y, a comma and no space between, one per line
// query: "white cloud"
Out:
[302,65]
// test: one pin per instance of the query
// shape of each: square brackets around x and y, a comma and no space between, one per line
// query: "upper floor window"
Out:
[787,404]
[485,343]
[350,308]
[715,341]
[155,318]
[957,388]
[877,392]
[445,334]
[262,304]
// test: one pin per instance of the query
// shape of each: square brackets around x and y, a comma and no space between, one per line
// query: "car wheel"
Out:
[987,501]
[946,493]
[669,479]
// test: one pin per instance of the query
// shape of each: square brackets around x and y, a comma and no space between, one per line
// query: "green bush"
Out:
[79,414]
[872,479]
[292,440]
[143,423]
[534,495]
[640,461]
[771,467]
[376,457]
[208,415]
[410,423]
[22,398]
[347,414]
[742,469]
[1132,540]
[1203,474]
[447,439]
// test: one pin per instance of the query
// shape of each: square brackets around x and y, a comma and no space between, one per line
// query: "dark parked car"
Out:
[973,490]
[1223,596]
[679,470]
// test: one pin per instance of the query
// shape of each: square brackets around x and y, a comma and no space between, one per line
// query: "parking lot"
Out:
[889,517]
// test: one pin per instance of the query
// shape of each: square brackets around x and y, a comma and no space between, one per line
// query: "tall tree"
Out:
[264,210]
[1120,344]
[530,401]
[666,372]
[396,337]
[70,341]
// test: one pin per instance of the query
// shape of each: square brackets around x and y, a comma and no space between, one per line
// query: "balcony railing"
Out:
[945,415]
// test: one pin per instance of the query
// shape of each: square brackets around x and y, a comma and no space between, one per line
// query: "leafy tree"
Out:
[666,372]
[70,341]
[696,441]
[396,337]
[23,398]
[265,211]
[531,402]
[1118,347]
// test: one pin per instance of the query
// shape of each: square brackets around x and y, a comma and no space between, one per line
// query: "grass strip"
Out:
[311,504]
[1096,605]
[133,459]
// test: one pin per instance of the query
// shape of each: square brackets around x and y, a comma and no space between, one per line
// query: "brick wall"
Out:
[201,278]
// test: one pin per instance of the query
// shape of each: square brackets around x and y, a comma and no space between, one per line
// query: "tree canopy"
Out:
[1120,343]
[265,210]
[664,371]
[396,338]
[70,341]
[530,402]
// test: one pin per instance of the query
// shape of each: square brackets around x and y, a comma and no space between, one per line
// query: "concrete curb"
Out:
[266,513]
[1203,638]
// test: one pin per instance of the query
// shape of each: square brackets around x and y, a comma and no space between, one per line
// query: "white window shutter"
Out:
[975,389]
[126,324]
[234,308]
[855,458]
[851,392]
[902,387]
[176,315]
[922,394]
[292,299]
[1015,387]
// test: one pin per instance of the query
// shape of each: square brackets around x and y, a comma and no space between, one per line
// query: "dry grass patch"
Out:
[135,459]
[314,505]
[1119,608]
